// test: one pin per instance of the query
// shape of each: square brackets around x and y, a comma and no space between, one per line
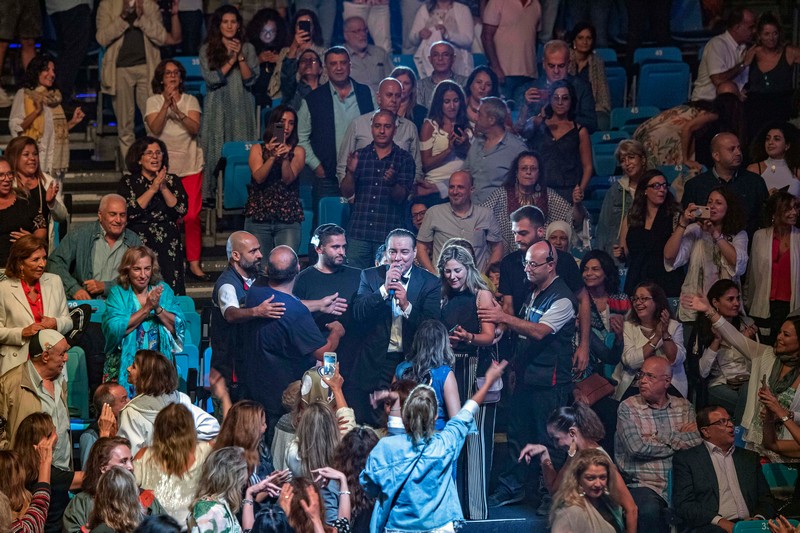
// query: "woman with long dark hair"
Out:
[273,212]
[28,508]
[482,82]
[230,67]
[350,459]
[409,107]
[117,508]
[776,155]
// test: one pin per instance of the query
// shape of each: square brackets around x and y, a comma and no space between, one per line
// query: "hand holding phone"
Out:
[280,134]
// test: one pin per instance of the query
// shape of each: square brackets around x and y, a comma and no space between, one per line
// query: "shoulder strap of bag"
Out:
[403,484]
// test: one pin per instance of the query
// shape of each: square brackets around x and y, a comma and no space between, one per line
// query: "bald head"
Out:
[282,265]
[238,241]
[389,92]
[543,250]
[726,152]
[658,366]
[244,253]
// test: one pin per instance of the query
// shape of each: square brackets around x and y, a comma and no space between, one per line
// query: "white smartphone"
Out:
[329,363]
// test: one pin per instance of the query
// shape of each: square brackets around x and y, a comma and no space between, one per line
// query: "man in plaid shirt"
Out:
[380,176]
[651,427]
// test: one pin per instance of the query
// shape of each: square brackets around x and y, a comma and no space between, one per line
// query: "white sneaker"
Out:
[5,100]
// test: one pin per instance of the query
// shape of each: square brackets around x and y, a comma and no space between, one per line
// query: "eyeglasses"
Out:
[658,186]
[267,32]
[418,215]
[529,169]
[151,153]
[564,98]
[720,422]
[642,299]
[533,265]
[309,61]
[6,176]
[650,377]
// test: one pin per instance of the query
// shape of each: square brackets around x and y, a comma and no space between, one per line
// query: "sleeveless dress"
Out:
[769,96]
[437,378]
[561,157]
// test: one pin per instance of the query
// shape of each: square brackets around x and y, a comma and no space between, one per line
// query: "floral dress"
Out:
[272,200]
[157,225]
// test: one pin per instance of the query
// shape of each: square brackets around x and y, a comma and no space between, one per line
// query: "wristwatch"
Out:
[788,416]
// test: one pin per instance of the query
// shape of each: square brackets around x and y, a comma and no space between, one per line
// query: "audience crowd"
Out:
[469,285]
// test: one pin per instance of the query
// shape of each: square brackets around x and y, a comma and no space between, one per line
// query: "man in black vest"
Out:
[323,117]
[543,349]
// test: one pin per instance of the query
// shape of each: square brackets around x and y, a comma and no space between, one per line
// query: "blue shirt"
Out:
[438,377]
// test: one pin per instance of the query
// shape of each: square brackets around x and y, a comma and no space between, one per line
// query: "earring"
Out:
[581,493]
[573,448]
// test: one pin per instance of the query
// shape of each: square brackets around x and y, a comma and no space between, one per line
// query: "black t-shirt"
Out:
[514,282]
[21,214]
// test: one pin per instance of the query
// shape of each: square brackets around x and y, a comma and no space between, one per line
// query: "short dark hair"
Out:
[137,150]
[736,17]
[702,416]
[474,74]
[158,76]
[338,50]
[103,395]
[324,232]
[36,66]
[610,269]
[530,212]
[402,233]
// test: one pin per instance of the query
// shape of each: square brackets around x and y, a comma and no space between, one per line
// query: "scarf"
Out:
[779,384]
[60,148]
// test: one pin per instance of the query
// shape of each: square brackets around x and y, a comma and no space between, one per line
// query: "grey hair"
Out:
[554,46]
[419,413]
[107,198]
[453,48]
[627,147]
[474,281]
[496,109]
[224,476]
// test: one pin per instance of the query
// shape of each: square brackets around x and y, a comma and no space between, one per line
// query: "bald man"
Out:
[726,151]
[651,427]
[280,350]
[359,132]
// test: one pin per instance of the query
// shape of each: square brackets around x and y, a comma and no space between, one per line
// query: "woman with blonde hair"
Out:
[172,465]
[116,504]
[584,501]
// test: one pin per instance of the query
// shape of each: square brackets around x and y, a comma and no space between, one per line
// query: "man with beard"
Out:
[330,274]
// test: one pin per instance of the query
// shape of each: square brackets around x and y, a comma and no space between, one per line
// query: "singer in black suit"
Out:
[705,496]
[392,301]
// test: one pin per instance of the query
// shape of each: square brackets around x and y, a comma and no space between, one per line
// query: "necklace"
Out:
[525,198]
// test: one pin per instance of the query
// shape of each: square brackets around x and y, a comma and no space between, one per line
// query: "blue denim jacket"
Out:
[429,498]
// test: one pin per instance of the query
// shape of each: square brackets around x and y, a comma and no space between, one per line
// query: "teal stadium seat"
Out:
[630,118]
[232,182]
[78,379]
[746,526]
[663,85]
[333,210]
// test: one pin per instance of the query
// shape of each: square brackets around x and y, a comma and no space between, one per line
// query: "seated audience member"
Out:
[482,82]
[524,185]
[300,41]
[587,65]
[266,31]
[460,217]
[442,59]
[19,216]
[443,20]
[39,385]
[727,173]
[713,244]
[379,177]
[418,211]
[421,477]
[108,400]
[359,132]
[368,63]
[31,300]
[27,510]
[444,141]
[493,150]
[219,493]
[559,234]
[156,383]
[301,500]
[772,286]
[117,508]
[300,76]
[171,465]
[779,375]
[537,94]
[285,428]
[88,257]
[725,63]
[162,523]
[776,152]
[578,430]
[619,197]
[409,108]
[716,484]
[36,428]
[350,458]
[142,313]
[728,368]
[585,501]
[281,349]
[774,415]
[106,453]
[651,427]
[650,332]
[644,234]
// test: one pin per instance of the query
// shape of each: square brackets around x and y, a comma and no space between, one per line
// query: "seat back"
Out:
[332,210]
[305,232]
[604,144]
[663,85]
[236,174]
[617,85]
[405,60]
[78,379]
[630,118]
[608,55]
[186,360]
[657,55]
[743,526]
[193,83]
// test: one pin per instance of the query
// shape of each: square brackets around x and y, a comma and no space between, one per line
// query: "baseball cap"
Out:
[43,340]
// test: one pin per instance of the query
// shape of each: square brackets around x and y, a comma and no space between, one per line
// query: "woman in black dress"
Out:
[644,233]
[17,215]
[156,201]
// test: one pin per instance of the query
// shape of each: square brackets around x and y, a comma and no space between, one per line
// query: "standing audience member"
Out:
[37,113]
[509,38]
[273,211]
[392,301]
[266,31]
[775,152]
[492,152]
[116,506]
[350,459]
[19,217]
[651,427]
[774,277]
[443,20]
[72,22]
[27,509]
[584,63]
[141,313]
[21,20]
[368,63]
[31,300]
[442,58]
[131,34]
[716,483]
[156,383]
[376,14]
[410,107]
[300,77]
[156,201]
[230,68]
[174,117]
[379,177]
[482,82]
[305,35]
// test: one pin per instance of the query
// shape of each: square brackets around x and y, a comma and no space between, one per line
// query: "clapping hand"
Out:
[154,296]
[52,190]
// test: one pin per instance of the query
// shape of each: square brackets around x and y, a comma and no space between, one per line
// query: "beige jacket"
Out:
[110,29]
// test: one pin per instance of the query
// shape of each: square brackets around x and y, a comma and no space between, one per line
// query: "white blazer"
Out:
[760,280]
[16,314]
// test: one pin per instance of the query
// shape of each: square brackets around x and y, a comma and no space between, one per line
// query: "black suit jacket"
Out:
[375,316]
[695,490]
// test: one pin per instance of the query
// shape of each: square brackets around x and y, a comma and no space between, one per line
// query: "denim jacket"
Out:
[428,499]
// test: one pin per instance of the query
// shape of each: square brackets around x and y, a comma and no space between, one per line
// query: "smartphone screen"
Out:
[305,25]
[329,363]
[280,134]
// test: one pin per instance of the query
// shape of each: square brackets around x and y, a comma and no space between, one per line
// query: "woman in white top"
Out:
[712,241]
[650,331]
[444,139]
[778,158]
[174,117]
[443,20]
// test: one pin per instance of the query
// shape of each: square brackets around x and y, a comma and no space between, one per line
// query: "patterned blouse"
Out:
[272,200]
[213,516]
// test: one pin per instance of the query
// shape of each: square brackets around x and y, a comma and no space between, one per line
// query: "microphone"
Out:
[391,291]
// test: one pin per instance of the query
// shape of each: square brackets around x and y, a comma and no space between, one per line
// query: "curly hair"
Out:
[157,374]
[638,210]
[257,23]
[513,169]
[579,416]
[31,430]
[174,439]
[297,517]
[216,52]
[99,456]
[570,493]
[430,349]
[758,151]
[419,414]
[317,437]
[158,76]
[350,458]
[37,65]
[116,501]
[12,482]
[22,249]
[130,258]
[224,477]
[242,427]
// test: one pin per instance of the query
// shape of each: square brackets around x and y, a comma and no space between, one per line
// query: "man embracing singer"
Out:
[392,301]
